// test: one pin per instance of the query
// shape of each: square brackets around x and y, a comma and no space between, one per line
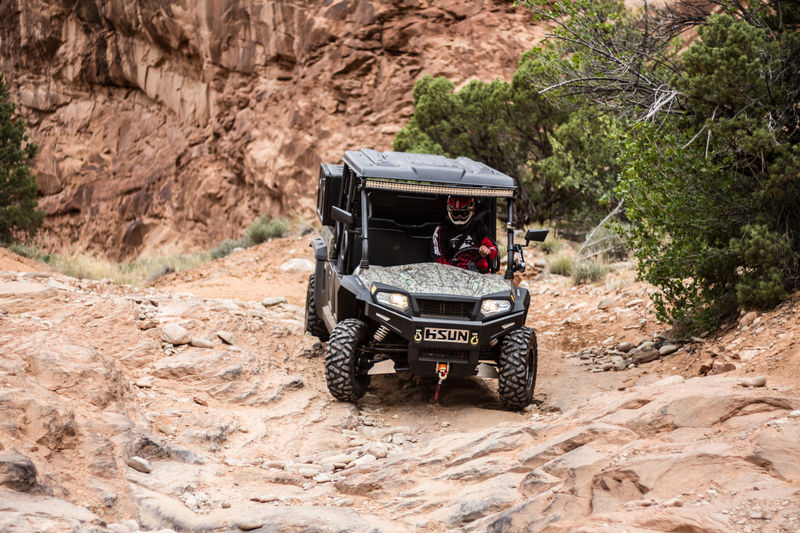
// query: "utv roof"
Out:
[436,174]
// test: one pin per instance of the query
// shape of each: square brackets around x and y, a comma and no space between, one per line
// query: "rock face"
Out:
[179,121]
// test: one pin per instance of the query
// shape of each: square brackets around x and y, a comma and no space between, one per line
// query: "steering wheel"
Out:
[463,251]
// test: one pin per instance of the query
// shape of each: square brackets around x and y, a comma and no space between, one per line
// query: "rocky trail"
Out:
[199,404]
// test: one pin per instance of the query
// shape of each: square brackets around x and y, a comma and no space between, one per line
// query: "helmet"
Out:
[460,209]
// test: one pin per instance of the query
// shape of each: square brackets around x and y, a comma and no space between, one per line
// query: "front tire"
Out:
[341,361]
[519,359]
[314,324]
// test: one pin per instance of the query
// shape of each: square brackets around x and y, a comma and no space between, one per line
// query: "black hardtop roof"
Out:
[426,168]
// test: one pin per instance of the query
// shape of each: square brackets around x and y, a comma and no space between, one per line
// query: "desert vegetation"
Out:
[148,269]
[684,118]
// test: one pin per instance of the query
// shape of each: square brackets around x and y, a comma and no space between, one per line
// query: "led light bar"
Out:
[437,189]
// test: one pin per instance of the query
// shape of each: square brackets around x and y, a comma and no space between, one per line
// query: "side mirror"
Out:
[538,235]
[340,215]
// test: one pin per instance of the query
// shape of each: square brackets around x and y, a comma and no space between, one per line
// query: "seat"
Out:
[390,247]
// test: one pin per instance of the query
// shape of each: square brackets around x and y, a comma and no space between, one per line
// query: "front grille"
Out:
[440,309]
[438,353]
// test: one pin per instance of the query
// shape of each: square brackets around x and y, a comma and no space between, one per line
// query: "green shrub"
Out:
[267,228]
[26,250]
[588,272]
[159,271]
[225,248]
[561,264]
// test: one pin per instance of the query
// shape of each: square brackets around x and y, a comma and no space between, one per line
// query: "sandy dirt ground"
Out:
[10,262]
[253,274]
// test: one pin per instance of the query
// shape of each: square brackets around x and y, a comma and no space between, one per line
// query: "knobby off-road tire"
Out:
[314,323]
[517,368]
[341,361]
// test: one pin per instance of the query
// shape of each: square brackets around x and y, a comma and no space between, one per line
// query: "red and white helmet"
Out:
[460,209]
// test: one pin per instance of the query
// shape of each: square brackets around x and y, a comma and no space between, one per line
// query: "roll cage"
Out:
[382,208]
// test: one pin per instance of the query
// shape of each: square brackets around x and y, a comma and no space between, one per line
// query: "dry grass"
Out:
[82,265]
[588,272]
[561,263]
[552,243]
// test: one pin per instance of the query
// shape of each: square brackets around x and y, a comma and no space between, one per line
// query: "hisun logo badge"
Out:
[447,335]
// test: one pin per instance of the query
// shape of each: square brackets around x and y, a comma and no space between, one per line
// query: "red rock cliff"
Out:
[170,125]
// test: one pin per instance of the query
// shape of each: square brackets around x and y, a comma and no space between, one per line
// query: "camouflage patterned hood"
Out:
[433,278]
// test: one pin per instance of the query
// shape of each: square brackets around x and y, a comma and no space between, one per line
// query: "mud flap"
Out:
[487,371]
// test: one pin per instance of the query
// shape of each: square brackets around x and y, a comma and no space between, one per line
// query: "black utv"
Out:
[381,302]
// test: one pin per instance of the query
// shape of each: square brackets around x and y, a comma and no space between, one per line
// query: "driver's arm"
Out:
[488,248]
[436,248]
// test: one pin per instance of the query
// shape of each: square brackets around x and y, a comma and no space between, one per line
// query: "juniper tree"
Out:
[18,189]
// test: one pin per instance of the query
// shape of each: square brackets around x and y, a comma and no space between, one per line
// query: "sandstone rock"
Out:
[142,465]
[17,472]
[201,343]
[625,347]
[334,459]
[748,319]
[269,302]
[298,265]
[601,433]
[147,323]
[671,380]
[605,304]
[225,505]
[192,362]
[378,449]
[200,399]
[145,382]
[227,337]
[779,451]
[248,524]
[758,381]
[480,500]
[536,482]
[24,289]
[175,335]
[645,356]
[23,512]
[265,498]
[720,367]
[363,461]
[667,349]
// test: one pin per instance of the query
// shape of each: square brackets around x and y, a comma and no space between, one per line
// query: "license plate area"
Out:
[452,336]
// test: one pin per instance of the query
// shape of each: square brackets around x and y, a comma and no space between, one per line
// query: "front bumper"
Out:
[441,340]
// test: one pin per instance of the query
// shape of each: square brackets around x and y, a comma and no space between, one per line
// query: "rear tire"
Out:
[341,361]
[314,324]
[519,360]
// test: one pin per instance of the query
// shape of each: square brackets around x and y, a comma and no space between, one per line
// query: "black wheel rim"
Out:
[530,372]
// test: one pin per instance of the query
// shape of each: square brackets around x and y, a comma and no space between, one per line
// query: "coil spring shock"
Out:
[381,333]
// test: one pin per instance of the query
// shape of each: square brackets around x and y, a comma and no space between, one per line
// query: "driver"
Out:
[462,230]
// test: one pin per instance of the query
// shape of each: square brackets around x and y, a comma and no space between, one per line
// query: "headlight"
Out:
[491,307]
[393,299]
